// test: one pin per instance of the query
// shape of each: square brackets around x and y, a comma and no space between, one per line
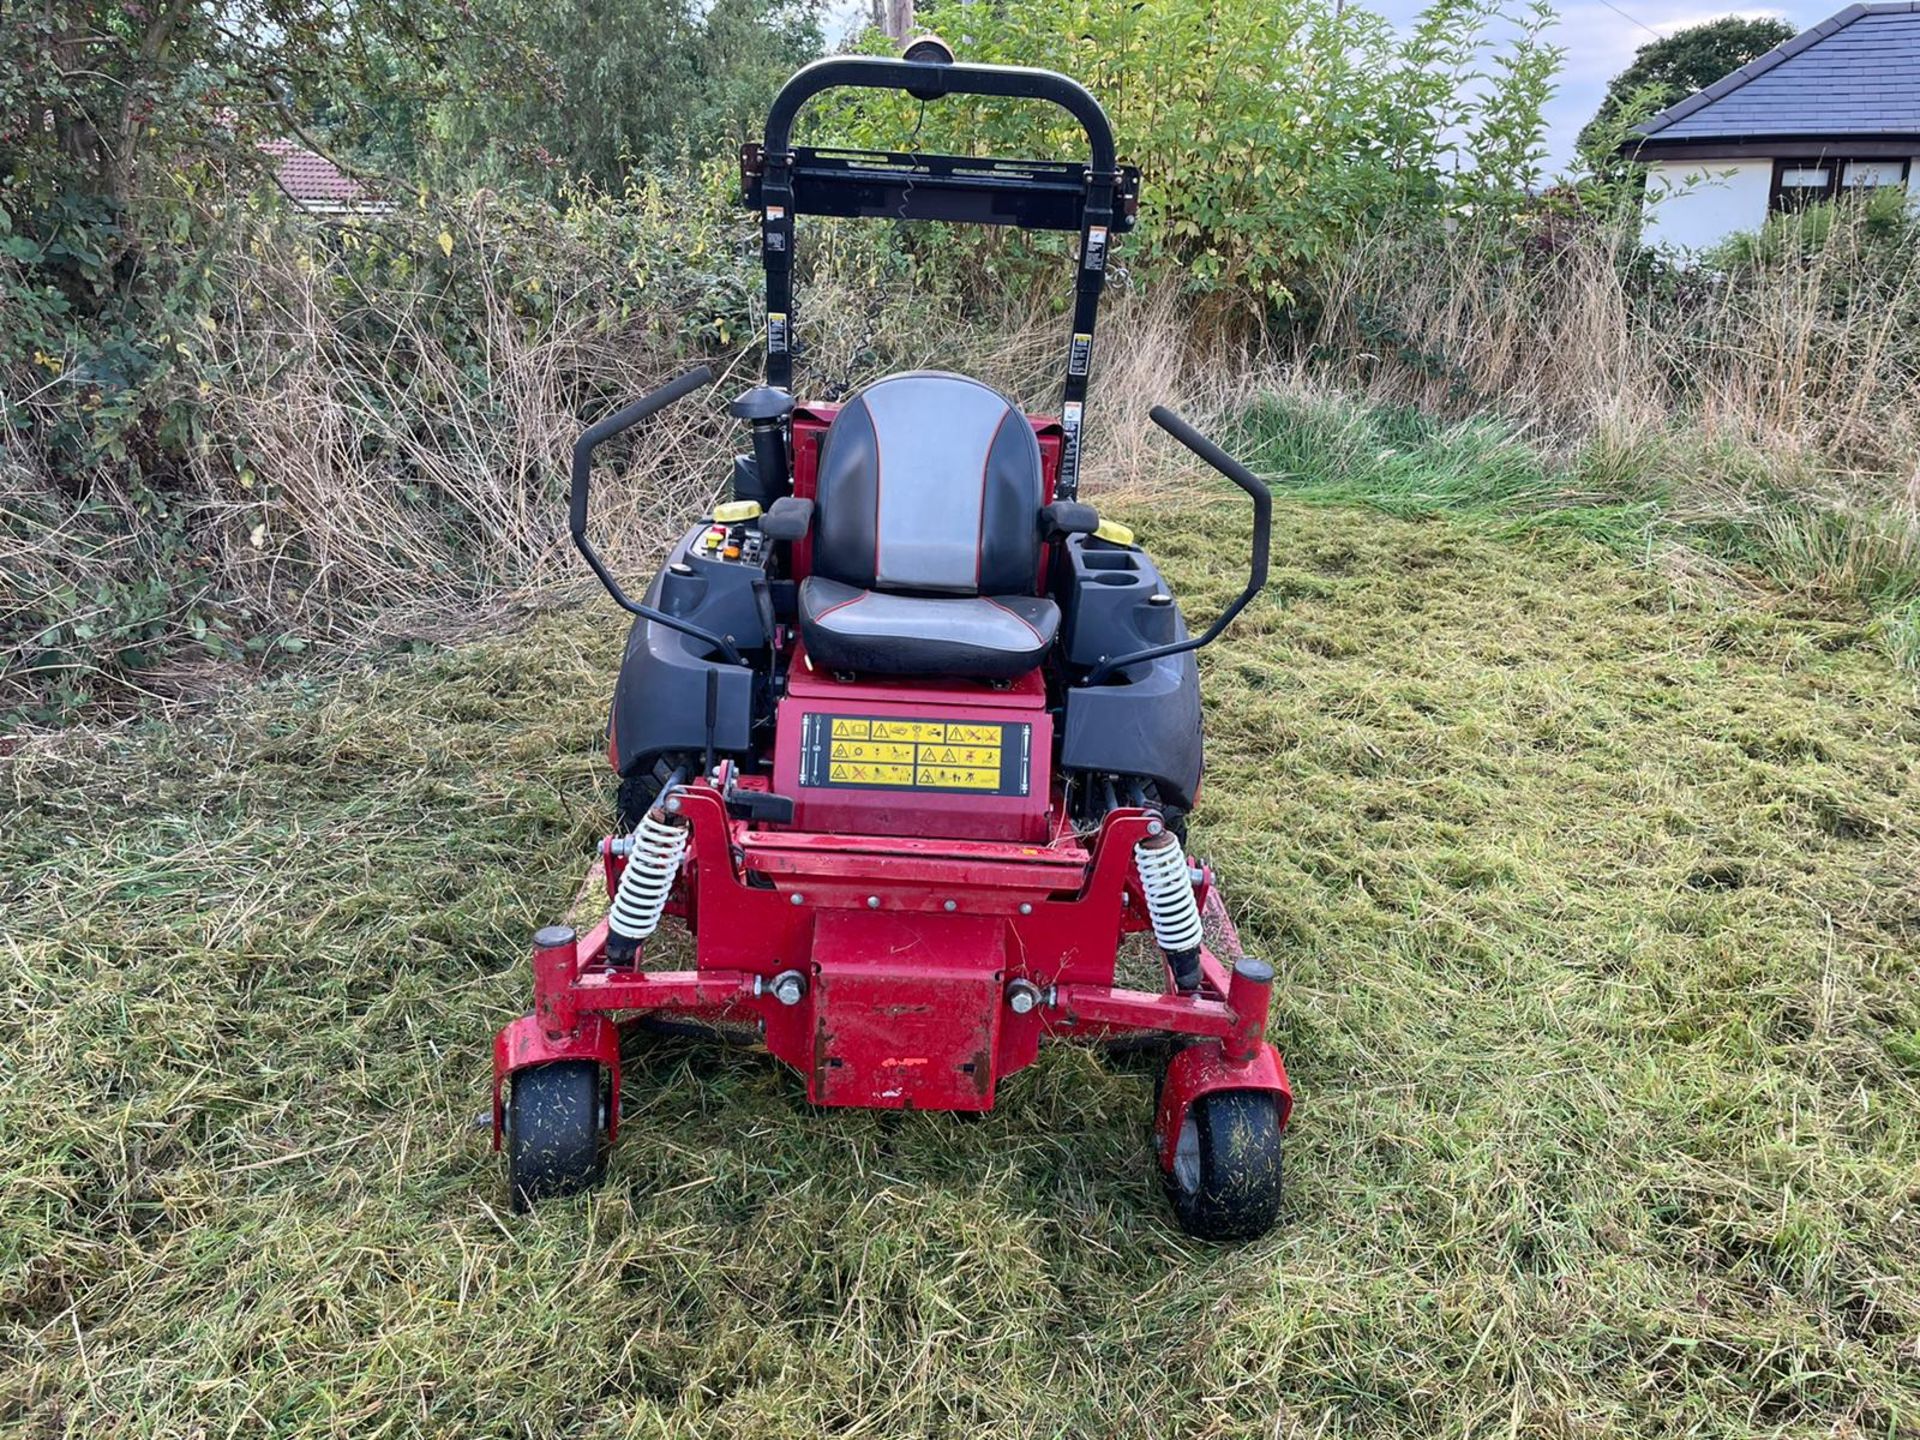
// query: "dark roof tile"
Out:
[1856,73]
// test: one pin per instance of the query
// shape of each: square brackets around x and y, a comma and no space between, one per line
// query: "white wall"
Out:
[1694,204]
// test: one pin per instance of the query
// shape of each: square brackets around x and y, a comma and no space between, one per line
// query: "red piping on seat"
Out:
[1016,615]
[840,605]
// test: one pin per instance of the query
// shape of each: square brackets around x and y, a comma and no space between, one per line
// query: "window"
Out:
[1871,174]
[1800,183]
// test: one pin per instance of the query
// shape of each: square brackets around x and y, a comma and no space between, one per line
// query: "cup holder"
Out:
[1108,560]
[1113,577]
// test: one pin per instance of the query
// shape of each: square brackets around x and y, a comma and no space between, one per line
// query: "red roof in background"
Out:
[311,179]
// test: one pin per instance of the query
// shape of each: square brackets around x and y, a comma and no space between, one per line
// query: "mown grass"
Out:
[1596,912]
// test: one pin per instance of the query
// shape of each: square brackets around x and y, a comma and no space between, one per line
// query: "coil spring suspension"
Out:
[658,845]
[1170,905]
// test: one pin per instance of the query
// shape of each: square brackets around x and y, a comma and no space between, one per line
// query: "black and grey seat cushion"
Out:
[930,483]
[980,637]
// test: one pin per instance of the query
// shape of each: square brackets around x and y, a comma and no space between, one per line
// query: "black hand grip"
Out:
[1240,475]
[1013,82]
[603,430]
[596,435]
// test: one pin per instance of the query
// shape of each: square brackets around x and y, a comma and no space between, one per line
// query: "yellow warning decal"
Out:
[875,750]
[848,773]
[908,730]
[896,754]
[952,777]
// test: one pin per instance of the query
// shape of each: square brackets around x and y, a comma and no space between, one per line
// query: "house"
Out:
[316,184]
[1835,110]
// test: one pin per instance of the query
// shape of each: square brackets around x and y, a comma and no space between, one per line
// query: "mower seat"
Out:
[926,550]
[984,637]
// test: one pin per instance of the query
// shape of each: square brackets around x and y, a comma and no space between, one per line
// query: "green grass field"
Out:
[1596,907]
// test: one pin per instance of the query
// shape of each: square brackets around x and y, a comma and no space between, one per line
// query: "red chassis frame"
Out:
[909,948]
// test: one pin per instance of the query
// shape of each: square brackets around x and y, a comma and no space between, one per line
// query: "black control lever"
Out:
[597,435]
[1262,527]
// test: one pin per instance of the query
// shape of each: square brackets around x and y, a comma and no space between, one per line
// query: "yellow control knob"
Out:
[1114,533]
[736,512]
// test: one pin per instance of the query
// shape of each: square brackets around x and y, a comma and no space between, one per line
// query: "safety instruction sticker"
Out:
[872,752]
[1096,247]
[1068,484]
[776,332]
[1080,355]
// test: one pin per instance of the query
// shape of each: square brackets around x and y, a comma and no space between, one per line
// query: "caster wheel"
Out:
[555,1131]
[1225,1181]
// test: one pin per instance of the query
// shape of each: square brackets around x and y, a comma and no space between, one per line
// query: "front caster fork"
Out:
[1219,1116]
[558,1030]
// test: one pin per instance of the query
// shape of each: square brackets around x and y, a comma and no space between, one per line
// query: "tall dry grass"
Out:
[1766,406]
[384,418]
[412,485]
[1801,345]
[386,496]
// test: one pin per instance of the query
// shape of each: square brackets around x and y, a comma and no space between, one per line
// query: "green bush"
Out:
[292,423]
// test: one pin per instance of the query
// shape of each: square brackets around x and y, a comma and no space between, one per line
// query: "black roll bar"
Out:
[1240,475]
[1096,199]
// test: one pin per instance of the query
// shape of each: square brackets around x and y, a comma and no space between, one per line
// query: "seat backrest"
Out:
[932,482]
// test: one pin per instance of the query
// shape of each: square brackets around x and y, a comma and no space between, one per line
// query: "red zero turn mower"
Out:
[907,735]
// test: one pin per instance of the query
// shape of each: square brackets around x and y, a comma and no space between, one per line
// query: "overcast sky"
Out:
[1599,41]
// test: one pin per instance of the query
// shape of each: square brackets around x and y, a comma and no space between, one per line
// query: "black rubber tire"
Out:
[638,791]
[555,1134]
[1225,1183]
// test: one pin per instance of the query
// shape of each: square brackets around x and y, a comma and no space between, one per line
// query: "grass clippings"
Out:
[1595,908]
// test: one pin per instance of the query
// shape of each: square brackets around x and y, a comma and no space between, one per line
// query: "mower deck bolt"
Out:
[873,902]
[950,906]
[796,898]
[1025,908]
[789,987]
[1022,997]
[1156,827]
[673,805]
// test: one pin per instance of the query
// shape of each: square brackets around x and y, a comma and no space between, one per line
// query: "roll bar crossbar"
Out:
[926,81]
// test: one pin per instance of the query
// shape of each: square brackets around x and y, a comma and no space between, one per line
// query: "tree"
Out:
[620,83]
[112,113]
[1667,70]
[1270,132]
